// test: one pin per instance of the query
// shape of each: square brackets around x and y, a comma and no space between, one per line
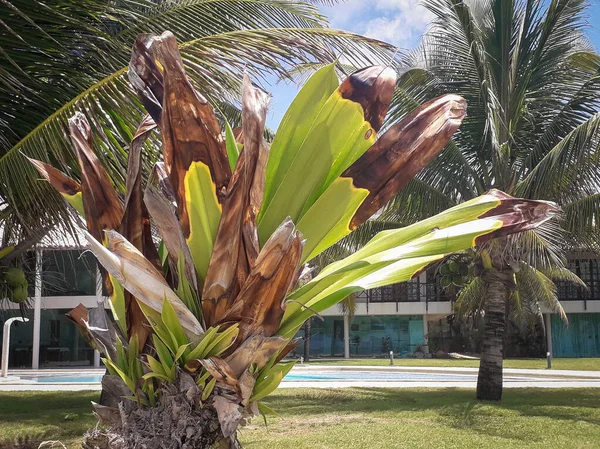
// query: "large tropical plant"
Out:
[532,82]
[202,323]
[58,57]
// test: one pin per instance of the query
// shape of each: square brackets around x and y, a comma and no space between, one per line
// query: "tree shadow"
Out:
[456,408]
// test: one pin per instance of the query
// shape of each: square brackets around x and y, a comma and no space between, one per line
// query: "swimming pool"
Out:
[296,377]
[67,379]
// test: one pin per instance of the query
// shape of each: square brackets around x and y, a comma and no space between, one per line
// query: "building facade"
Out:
[59,279]
[402,318]
[418,315]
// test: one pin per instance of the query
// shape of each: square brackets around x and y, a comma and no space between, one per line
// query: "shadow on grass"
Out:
[28,418]
[523,415]
[456,408]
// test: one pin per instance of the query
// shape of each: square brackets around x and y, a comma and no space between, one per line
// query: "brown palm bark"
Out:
[489,380]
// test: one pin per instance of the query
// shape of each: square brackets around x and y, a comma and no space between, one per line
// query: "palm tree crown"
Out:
[532,82]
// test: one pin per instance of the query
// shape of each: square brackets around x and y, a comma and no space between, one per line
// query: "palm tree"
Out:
[196,343]
[60,57]
[532,82]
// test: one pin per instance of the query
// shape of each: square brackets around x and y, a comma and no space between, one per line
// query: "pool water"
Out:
[297,377]
[383,376]
[68,379]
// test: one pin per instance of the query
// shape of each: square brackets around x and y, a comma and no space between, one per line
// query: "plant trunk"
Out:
[307,335]
[177,421]
[489,381]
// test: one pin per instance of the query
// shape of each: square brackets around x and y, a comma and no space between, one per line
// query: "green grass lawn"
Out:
[357,418]
[572,364]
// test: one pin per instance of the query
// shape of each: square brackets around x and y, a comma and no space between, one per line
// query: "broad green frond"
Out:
[569,171]
[471,298]
[560,274]
[535,286]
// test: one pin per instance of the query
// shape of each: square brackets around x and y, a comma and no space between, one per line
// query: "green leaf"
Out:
[155,375]
[265,410]
[171,322]
[204,213]
[400,254]
[267,387]
[76,201]
[201,381]
[148,388]
[268,372]
[288,143]
[199,352]
[208,389]
[163,254]
[185,291]
[180,352]
[328,220]
[155,366]
[137,399]
[233,148]
[117,304]
[133,353]
[164,355]
[222,341]
[124,377]
[121,361]
[339,130]
[109,366]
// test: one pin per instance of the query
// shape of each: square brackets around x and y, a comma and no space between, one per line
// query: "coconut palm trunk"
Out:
[200,329]
[489,380]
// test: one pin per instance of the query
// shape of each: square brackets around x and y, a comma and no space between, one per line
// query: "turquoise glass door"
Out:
[415,331]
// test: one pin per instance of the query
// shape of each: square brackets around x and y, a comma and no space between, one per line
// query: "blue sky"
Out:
[400,22]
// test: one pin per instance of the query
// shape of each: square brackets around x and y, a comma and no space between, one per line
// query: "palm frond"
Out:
[534,286]
[570,169]
[53,56]
[542,248]
[417,201]
[581,218]
[471,298]
[561,274]
[348,306]
[213,63]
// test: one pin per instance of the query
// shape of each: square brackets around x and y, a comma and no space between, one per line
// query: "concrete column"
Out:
[100,303]
[346,337]
[37,310]
[425,333]
[548,322]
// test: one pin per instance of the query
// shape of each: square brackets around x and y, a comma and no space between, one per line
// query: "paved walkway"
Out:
[322,376]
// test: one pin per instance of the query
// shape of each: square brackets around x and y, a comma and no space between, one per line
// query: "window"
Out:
[435,292]
[403,292]
[68,273]
[589,272]
[567,291]
[54,332]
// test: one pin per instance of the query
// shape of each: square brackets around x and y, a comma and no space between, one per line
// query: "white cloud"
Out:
[400,22]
